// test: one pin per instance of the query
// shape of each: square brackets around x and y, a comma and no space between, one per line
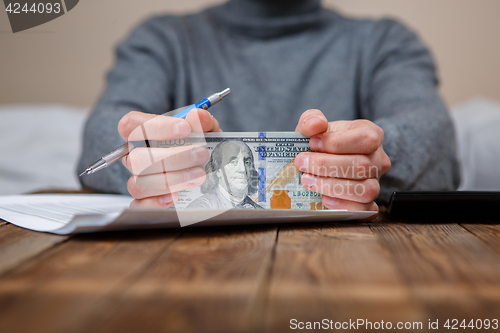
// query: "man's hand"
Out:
[159,173]
[347,162]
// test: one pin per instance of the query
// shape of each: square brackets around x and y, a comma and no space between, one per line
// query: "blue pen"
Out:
[204,103]
[124,149]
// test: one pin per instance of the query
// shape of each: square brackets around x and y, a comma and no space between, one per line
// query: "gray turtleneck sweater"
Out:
[281,58]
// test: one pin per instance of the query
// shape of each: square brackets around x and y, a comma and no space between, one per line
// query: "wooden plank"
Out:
[337,272]
[488,233]
[209,280]
[18,245]
[449,270]
[71,287]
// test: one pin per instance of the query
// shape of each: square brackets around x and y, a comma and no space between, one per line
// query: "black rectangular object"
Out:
[472,206]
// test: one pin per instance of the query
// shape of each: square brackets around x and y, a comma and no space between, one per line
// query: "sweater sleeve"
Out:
[141,80]
[399,93]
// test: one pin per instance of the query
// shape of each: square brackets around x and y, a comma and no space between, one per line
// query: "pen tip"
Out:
[224,92]
[86,172]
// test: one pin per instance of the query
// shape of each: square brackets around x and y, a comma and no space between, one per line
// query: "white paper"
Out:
[77,213]
[48,212]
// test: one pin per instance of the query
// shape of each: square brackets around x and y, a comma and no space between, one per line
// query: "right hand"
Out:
[159,173]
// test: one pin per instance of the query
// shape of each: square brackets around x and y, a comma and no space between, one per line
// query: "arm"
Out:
[407,139]
[399,93]
[141,80]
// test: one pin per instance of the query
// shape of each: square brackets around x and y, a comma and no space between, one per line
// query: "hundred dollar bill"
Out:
[249,170]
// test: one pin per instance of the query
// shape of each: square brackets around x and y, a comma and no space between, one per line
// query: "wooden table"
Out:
[249,279]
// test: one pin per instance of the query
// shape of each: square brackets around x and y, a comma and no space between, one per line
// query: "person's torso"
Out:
[274,78]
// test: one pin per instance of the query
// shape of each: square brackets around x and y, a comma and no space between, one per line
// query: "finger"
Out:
[131,120]
[141,187]
[144,161]
[359,140]
[202,121]
[138,126]
[162,201]
[336,203]
[362,191]
[343,166]
[312,122]
[216,126]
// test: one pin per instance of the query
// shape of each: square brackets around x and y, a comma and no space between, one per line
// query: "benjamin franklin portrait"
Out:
[231,178]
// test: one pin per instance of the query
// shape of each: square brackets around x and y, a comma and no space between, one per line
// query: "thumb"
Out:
[312,122]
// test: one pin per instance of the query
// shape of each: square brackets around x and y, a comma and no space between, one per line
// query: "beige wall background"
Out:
[65,61]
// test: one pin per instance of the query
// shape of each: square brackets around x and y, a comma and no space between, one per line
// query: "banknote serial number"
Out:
[305,194]
[36,8]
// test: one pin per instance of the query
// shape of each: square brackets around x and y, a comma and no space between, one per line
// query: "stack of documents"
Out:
[77,213]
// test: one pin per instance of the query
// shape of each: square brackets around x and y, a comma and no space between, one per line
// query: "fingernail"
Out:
[309,180]
[315,143]
[193,176]
[310,119]
[199,155]
[181,129]
[302,162]
[165,199]
[330,202]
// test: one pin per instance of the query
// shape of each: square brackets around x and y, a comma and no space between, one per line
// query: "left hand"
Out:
[347,162]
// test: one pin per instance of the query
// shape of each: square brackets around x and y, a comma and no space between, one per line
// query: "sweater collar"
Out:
[272,8]
[270,18]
